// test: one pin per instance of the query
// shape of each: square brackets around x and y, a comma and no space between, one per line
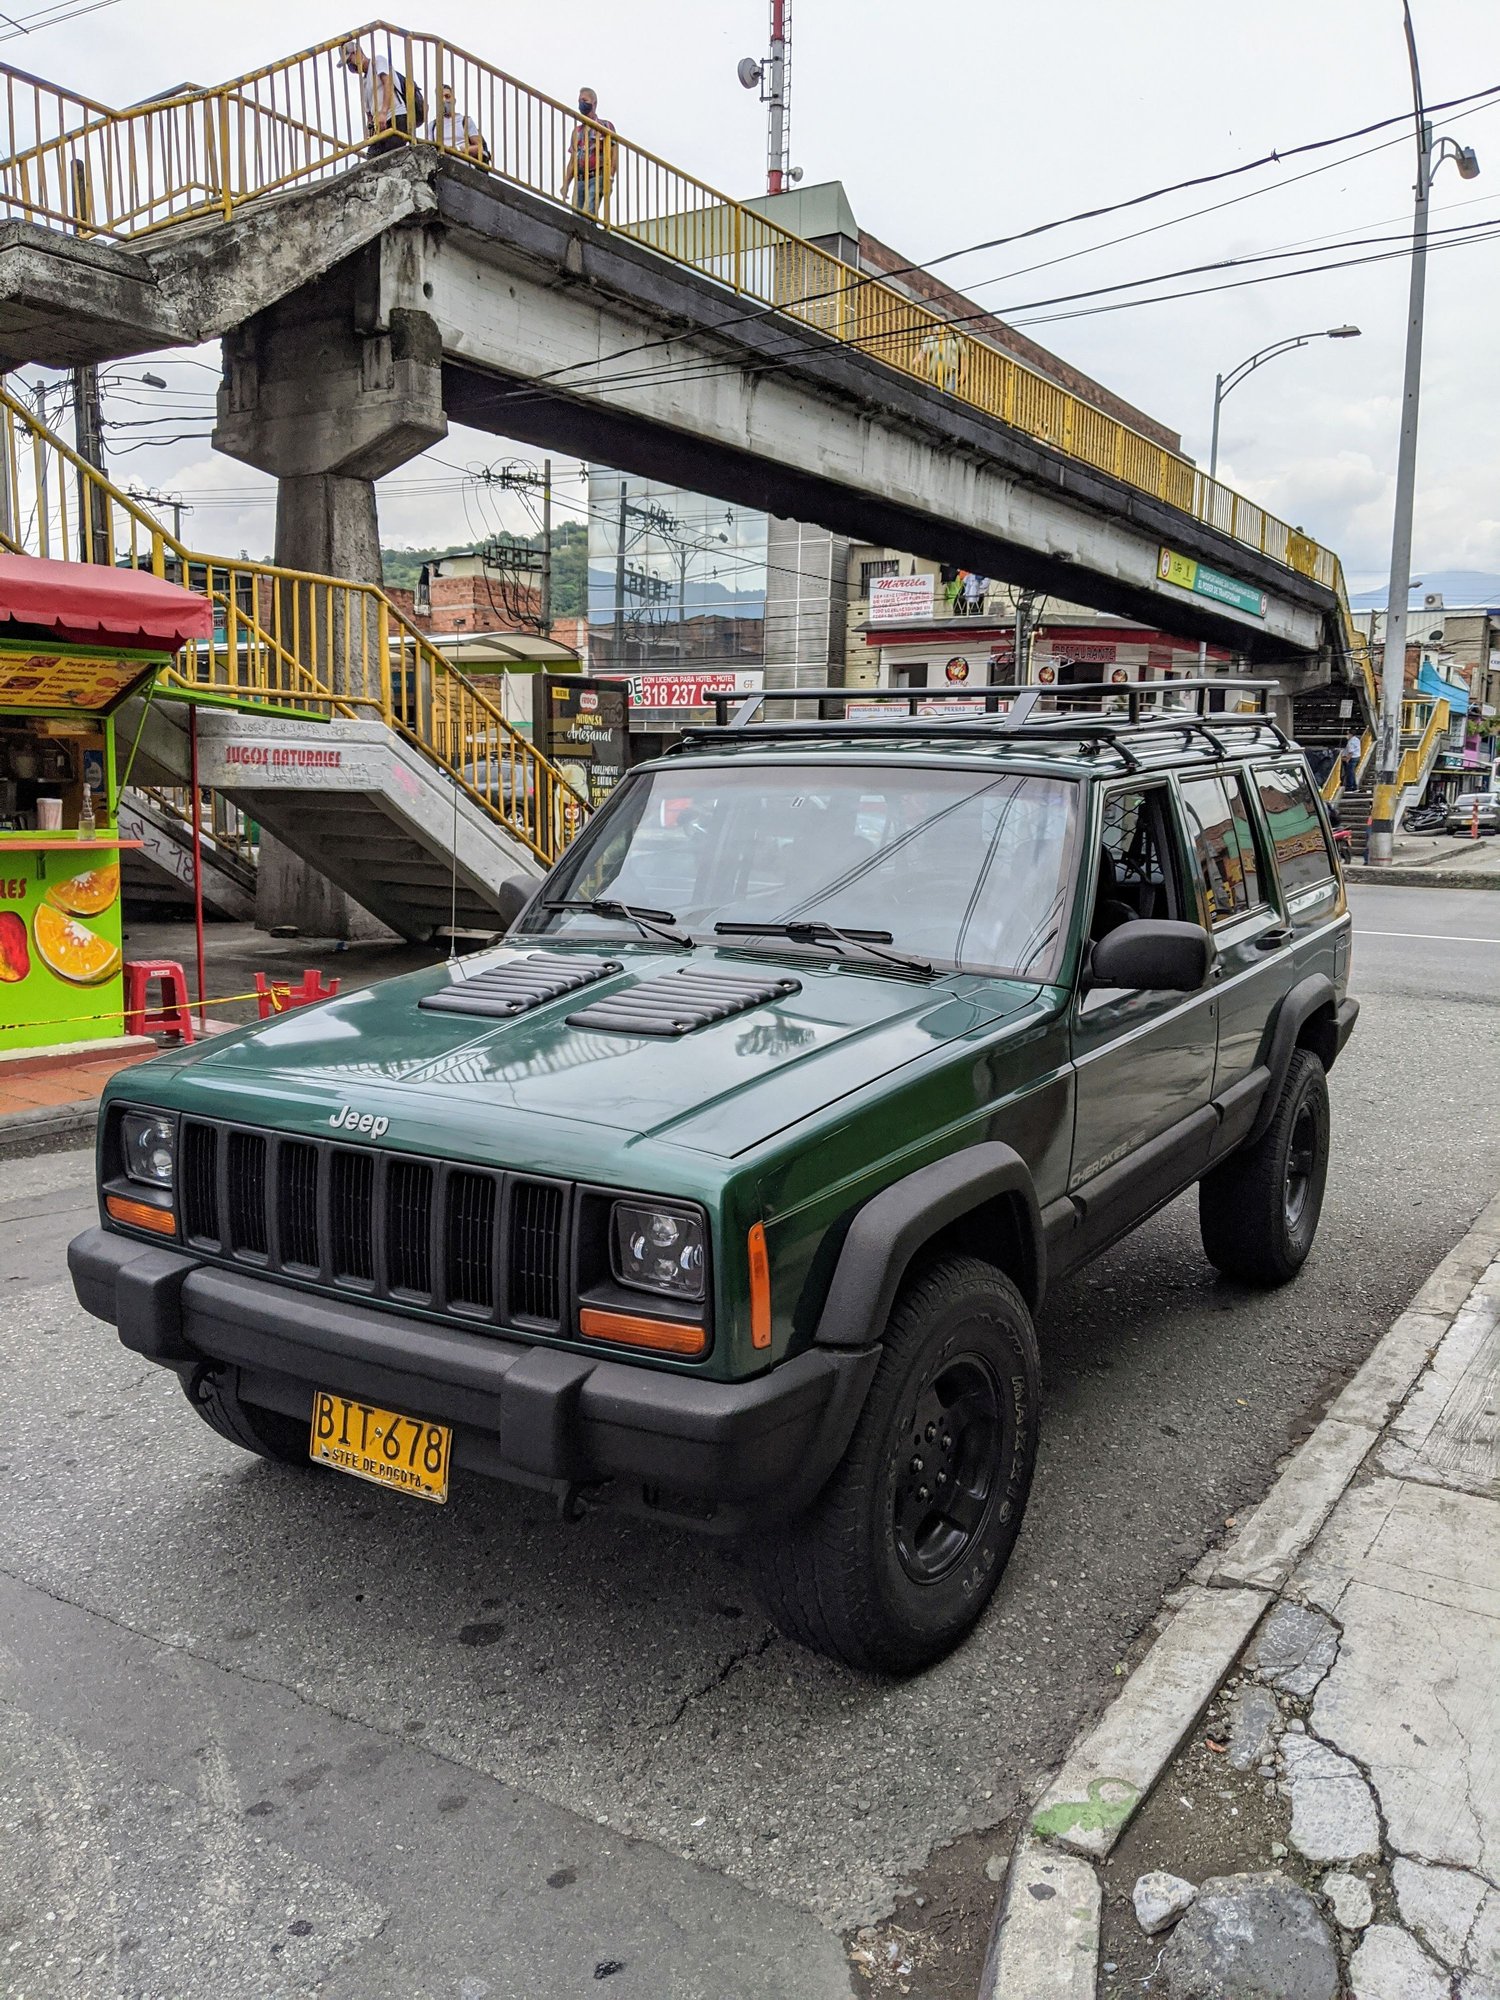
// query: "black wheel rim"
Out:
[954,1445]
[1301,1157]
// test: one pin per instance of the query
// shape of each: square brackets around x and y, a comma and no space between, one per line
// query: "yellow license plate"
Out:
[382,1446]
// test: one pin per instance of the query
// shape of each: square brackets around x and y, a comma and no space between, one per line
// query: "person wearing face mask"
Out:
[590,156]
[456,131]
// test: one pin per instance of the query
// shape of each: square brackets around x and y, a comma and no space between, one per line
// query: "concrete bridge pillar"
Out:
[328,396]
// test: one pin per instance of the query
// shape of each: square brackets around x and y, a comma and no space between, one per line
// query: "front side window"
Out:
[1138,874]
[1298,839]
[969,870]
[1218,818]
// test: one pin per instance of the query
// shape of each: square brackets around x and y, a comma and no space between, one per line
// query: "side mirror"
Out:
[1152,955]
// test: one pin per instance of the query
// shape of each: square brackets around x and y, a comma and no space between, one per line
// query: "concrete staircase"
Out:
[160,870]
[322,713]
[383,822]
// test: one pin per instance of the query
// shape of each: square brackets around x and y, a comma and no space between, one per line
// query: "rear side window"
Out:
[1218,818]
[1298,838]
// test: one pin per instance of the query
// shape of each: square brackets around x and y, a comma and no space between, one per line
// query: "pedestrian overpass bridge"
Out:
[675,333]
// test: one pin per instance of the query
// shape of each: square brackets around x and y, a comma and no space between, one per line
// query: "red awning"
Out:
[95,605]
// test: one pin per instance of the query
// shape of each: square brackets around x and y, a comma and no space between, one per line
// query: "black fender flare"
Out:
[893,1226]
[1296,1010]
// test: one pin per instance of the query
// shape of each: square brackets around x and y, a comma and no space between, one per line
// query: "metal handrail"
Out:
[288,639]
[297,120]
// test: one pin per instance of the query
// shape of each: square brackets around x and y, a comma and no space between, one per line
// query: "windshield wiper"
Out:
[648,922]
[811,930]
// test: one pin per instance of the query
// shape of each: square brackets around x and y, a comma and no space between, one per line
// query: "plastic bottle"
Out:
[87,830]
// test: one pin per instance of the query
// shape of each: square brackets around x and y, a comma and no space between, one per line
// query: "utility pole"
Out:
[620,583]
[1393,667]
[546,620]
[173,500]
[1025,606]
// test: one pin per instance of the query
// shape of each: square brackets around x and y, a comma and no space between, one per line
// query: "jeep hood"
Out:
[529,1089]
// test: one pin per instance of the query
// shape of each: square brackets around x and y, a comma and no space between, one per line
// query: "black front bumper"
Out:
[727,1456]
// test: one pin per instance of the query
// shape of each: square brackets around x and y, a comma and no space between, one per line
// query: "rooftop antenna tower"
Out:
[773,78]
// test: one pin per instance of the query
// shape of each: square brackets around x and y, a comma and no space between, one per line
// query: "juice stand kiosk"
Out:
[76,641]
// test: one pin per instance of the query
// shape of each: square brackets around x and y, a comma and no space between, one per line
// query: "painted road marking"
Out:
[1430,937]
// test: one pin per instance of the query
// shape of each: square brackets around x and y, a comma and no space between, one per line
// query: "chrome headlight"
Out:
[148,1143]
[658,1249]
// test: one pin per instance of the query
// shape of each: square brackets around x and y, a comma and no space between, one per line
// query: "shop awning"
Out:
[96,605]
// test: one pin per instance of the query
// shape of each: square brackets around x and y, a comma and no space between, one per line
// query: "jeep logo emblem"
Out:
[347,1119]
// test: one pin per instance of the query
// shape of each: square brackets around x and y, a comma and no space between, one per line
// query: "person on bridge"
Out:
[382,89]
[591,154]
[456,132]
[1351,762]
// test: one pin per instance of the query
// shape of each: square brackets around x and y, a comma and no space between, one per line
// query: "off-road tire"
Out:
[268,1433]
[845,1578]
[1252,1228]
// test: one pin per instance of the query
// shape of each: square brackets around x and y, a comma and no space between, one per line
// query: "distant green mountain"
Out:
[570,554]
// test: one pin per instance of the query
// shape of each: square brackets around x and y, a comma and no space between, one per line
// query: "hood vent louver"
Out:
[677,1002]
[518,985]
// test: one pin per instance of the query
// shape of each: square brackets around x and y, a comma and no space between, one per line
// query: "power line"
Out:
[1275,157]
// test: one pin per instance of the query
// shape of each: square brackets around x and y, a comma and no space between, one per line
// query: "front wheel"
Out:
[898,1556]
[267,1433]
[1258,1213]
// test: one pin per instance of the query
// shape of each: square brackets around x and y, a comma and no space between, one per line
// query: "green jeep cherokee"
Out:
[726,1188]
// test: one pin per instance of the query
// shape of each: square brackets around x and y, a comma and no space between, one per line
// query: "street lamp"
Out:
[1224,383]
[1393,674]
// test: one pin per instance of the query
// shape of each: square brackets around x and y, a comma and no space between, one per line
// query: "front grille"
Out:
[351,1217]
[408,1225]
[469,1241]
[297,1204]
[247,1193]
[536,1210]
[489,1247]
[200,1183]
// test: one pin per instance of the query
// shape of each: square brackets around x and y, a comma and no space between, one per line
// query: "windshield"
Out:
[966,870]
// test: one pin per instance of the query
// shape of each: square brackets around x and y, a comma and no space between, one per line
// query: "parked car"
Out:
[1461,813]
[725,1190]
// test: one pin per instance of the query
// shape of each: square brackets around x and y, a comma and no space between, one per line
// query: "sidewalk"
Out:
[52,1097]
[1438,861]
[1296,1795]
[49,1100]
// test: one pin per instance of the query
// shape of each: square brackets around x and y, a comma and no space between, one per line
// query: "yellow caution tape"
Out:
[277,995]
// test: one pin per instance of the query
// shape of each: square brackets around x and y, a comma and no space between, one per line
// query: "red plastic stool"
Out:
[171,1016]
[278,996]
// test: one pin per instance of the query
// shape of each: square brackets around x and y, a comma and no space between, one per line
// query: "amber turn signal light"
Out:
[760,1287]
[666,1336]
[141,1215]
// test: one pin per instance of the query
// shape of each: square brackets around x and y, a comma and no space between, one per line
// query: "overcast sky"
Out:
[956,124]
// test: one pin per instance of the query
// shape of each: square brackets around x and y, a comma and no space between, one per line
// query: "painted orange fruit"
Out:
[71,949]
[86,894]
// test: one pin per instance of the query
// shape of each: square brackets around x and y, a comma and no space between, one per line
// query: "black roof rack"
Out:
[1017,720]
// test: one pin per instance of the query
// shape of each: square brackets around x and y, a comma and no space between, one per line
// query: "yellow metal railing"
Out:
[294,122]
[222,822]
[1417,758]
[287,639]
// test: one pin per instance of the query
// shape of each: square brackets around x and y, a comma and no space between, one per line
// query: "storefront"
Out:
[76,641]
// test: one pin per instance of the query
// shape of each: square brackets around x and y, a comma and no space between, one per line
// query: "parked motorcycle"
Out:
[1426,819]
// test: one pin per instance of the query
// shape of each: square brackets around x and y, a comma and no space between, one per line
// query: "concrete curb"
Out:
[1044,1946]
[48,1129]
[1419,878]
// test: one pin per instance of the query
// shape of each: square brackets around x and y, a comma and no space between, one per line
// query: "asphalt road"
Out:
[269,1732]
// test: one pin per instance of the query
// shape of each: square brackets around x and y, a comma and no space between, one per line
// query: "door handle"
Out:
[1273,940]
